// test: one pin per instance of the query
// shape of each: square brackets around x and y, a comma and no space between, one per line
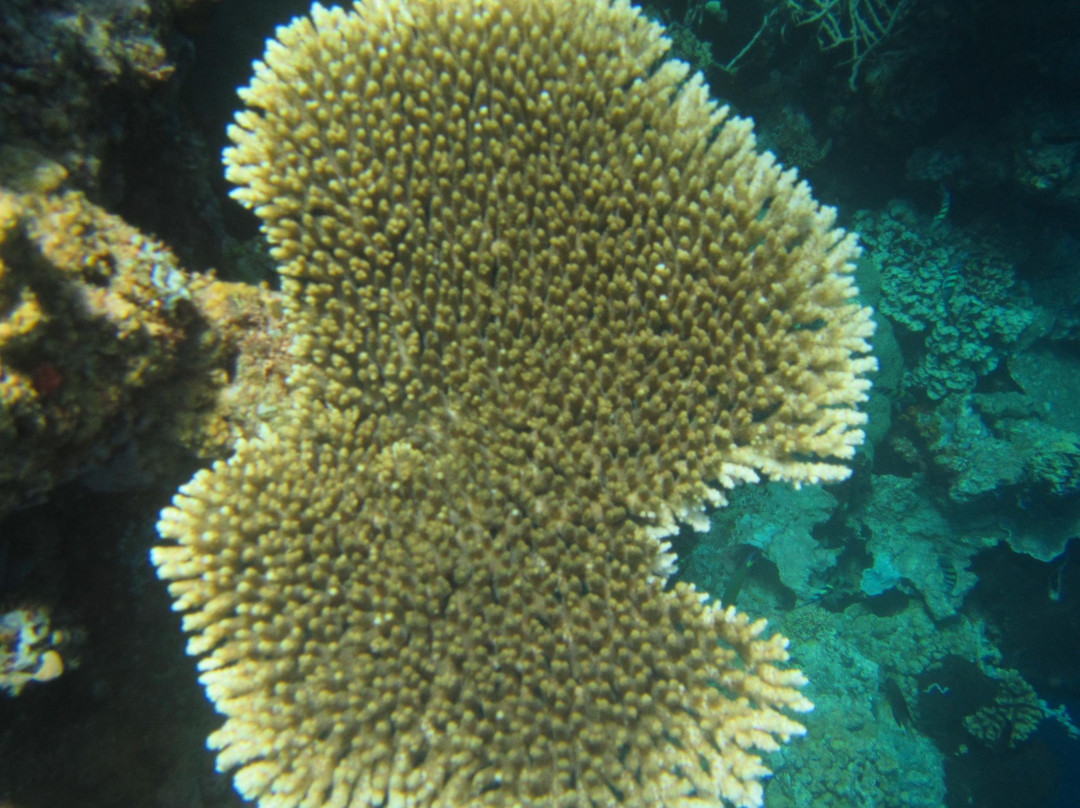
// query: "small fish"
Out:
[1055,588]
[900,711]
[951,281]
[734,586]
[943,209]
[826,592]
[948,574]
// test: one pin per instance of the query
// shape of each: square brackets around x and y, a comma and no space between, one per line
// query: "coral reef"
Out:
[1030,152]
[30,649]
[915,547]
[101,333]
[960,302]
[857,26]
[73,51]
[779,522]
[1015,713]
[931,598]
[904,543]
[61,60]
[546,302]
[789,134]
[997,450]
[855,749]
[992,443]
[93,86]
[1049,375]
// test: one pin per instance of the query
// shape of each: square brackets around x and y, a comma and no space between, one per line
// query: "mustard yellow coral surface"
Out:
[87,319]
[105,339]
[546,303]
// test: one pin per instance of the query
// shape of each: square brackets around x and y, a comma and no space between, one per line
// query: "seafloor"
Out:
[933,599]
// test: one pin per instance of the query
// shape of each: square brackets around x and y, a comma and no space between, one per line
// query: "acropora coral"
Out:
[546,303]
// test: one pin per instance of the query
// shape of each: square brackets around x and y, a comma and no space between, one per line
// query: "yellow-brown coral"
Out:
[546,302]
[84,322]
[101,333]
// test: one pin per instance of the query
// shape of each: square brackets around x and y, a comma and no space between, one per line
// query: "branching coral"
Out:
[546,301]
[856,25]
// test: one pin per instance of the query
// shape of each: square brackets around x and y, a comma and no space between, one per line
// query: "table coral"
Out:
[546,302]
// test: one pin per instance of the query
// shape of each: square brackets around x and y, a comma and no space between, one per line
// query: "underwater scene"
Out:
[539,403]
